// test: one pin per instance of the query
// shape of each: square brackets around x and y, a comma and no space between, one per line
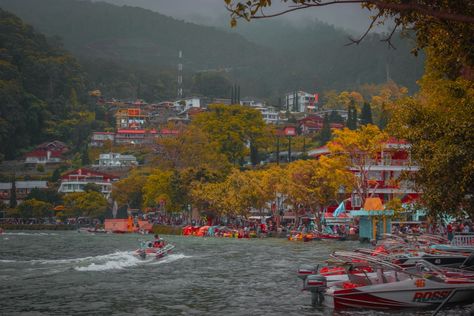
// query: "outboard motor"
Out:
[316,284]
[306,270]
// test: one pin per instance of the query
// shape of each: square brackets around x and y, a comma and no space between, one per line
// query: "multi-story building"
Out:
[130,118]
[76,180]
[300,101]
[384,174]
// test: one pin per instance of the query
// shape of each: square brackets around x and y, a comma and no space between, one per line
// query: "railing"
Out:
[463,240]
[390,162]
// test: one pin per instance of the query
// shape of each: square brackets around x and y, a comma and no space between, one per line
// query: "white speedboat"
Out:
[156,249]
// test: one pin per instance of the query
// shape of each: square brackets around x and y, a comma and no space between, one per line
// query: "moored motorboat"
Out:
[368,282]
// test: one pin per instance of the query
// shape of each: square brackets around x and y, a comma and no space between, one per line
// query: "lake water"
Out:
[70,273]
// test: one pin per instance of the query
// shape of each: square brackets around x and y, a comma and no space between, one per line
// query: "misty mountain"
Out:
[102,30]
[266,58]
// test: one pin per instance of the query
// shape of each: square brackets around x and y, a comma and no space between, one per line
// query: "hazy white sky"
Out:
[213,12]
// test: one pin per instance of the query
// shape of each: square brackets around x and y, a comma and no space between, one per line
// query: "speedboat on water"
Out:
[386,285]
[154,249]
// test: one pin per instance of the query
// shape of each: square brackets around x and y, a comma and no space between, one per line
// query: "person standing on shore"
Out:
[449,228]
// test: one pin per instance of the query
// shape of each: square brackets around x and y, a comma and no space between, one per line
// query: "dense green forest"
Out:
[43,92]
[129,51]
[40,84]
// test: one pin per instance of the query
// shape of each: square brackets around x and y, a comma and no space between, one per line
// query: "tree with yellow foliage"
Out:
[129,191]
[314,184]
[359,148]
[236,131]
[191,148]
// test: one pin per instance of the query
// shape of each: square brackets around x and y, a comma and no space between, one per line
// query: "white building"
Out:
[270,115]
[187,103]
[99,138]
[117,160]
[300,101]
[252,103]
[76,180]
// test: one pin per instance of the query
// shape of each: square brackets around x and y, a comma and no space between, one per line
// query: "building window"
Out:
[356,200]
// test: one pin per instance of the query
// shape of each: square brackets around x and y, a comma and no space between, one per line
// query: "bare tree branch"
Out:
[406,7]
[388,39]
[357,41]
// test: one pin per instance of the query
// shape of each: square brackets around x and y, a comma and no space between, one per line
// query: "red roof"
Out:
[88,172]
[44,153]
[136,131]
[167,131]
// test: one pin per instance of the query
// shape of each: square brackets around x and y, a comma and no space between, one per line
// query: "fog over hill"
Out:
[350,17]
[266,58]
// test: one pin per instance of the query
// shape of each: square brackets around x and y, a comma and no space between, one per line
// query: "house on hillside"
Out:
[314,124]
[117,160]
[75,181]
[47,153]
[43,157]
[55,145]
[23,188]
[98,139]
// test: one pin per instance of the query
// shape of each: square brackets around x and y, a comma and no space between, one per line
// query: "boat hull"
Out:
[398,295]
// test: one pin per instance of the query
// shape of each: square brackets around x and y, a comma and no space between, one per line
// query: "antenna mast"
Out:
[180,75]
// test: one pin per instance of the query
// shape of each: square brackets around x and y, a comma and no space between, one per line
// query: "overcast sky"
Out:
[213,12]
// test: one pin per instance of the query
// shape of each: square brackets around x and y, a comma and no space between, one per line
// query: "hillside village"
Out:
[135,142]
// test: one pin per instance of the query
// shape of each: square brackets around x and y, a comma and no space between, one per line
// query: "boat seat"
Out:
[360,280]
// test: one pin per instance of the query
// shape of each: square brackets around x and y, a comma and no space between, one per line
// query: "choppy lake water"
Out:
[70,273]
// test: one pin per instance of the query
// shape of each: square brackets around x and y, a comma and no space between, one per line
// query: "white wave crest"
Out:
[30,234]
[115,261]
[170,258]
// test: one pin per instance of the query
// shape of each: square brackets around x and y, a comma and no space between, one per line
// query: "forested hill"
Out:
[37,81]
[133,34]
[123,45]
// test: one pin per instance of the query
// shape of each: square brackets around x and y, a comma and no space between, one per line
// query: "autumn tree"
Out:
[235,195]
[35,208]
[314,184]
[191,148]
[235,130]
[360,148]
[88,204]
[129,191]
[438,123]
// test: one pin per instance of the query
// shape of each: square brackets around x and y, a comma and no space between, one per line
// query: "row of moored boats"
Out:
[401,272]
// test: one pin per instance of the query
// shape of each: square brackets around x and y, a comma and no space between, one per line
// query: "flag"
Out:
[339,210]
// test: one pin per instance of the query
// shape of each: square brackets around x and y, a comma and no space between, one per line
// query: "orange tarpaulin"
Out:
[373,204]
